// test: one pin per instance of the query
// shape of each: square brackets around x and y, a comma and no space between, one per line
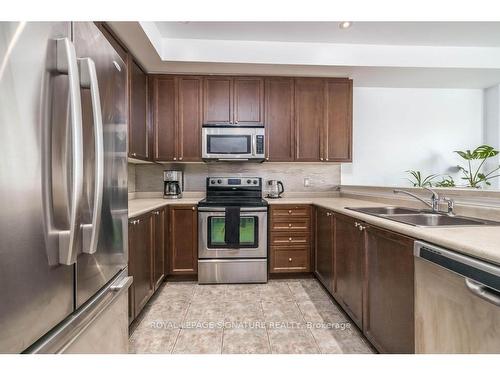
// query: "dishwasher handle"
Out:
[482,291]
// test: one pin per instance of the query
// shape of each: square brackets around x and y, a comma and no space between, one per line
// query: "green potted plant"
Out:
[418,180]
[472,173]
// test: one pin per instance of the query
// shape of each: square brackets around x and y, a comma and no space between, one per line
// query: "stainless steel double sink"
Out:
[422,218]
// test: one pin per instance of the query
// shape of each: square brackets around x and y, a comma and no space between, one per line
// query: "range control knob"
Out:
[249,181]
[255,182]
[219,181]
[212,182]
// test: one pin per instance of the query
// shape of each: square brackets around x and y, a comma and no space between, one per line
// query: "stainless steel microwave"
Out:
[233,143]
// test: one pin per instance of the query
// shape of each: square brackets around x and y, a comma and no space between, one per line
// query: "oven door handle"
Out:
[223,209]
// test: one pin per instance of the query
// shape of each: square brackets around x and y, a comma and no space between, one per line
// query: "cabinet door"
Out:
[183,241]
[138,114]
[159,247]
[348,266]
[189,118]
[131,271]
[248,101]
[389,306]
[309,118]
[279,119]
[338,135]
[218,100]
[142,261]
[324,247]
[164,108]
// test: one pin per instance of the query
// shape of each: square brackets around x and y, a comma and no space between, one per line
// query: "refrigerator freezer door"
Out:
[94,270]
[35,177]
[100,326]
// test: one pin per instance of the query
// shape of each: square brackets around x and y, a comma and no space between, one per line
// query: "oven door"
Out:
[253,233]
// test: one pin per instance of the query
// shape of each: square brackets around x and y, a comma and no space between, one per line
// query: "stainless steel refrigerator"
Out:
[63,196]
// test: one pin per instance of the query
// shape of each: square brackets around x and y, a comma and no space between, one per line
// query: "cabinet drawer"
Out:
[290,239]
[291,224]
[290,211]
[289,260]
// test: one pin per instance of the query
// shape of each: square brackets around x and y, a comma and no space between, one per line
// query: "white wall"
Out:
[492,127]
[396,129]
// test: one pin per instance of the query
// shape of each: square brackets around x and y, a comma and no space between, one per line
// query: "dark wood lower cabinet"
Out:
[323,260]
[183,240]
[159,247]
[348,269]
[141,261]
[389,306]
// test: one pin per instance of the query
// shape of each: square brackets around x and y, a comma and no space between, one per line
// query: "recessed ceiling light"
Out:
[345,24]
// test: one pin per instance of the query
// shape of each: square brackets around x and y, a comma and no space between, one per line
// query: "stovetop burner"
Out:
[233,191]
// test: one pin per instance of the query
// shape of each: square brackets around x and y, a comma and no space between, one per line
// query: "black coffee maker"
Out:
[173,184]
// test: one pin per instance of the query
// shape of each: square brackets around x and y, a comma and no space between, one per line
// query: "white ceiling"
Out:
[470,34]
[397,54]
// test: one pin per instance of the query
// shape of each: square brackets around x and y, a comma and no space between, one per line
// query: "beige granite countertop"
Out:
[480,242]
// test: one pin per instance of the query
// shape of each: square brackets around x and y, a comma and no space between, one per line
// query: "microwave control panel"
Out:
[260,144]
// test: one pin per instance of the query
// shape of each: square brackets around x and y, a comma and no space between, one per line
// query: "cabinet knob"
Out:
[290,211]
[328,214]
[134,154]
[175,158]
[321,159]
[157,212]
[267,158]
[289,259]
[326,159]
[289,238]
[289,225]
[193,208]
[236,122]
[356,224]
[180,158]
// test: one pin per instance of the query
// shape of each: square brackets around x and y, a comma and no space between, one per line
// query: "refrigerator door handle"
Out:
[67,64]
[88,80]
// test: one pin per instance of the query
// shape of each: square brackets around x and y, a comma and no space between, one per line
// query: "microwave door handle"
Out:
[88,80]
[254,145]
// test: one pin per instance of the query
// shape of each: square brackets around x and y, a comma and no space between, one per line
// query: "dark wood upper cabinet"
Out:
[348,266]
[159,247]
[338,134]
[164,118]
[280,136]
[183,240]
[389,297]
[218,100]
[190,102]
[141,260]
[309,118]
[324,248]
[139,134]
[248,101]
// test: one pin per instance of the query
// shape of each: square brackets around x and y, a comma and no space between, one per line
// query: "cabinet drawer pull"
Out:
[328,214]
[289,259]
[134,154]
[290,225]
[289,238]
[290,211]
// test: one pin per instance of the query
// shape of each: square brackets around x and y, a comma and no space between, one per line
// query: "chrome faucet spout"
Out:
[432,205]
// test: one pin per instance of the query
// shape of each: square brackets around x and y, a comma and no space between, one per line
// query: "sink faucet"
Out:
[434,205]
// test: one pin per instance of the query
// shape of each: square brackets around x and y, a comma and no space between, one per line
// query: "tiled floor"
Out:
[285,316]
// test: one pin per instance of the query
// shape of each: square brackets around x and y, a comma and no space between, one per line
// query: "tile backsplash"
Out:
[321,176]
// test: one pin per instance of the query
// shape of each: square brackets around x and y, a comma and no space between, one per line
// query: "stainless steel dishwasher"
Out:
[457,302]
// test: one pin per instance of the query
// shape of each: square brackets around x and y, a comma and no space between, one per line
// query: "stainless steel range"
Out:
[232,225]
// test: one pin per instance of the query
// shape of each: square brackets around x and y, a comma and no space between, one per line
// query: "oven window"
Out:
[229,144]
[248,231]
